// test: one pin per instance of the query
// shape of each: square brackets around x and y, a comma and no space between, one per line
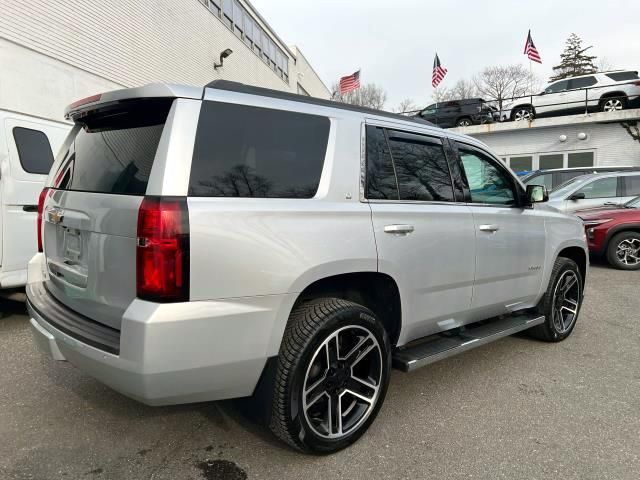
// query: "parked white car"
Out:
[596,190]
[605,91]
[27,146]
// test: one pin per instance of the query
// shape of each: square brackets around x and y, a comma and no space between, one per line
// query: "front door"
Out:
[597,193]
[554,98]
[510,240]
[425,240]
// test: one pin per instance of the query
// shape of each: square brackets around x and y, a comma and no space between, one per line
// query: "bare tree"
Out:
[368,95]
[503,82]
[441,94]
[604,64]
[406,106]
[464,89]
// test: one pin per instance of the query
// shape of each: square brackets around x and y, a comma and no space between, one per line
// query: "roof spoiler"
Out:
[80,107]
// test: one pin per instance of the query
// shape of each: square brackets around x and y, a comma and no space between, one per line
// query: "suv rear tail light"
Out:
[637,84]
[41,199]
[162,251]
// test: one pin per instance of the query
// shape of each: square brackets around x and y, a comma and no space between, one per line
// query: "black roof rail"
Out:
[294,97]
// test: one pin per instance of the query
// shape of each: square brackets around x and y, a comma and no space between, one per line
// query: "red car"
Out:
[615,232]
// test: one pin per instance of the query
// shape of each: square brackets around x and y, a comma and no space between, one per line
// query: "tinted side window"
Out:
[487,183]
[582,82]
[34,150]
[421,168]
[243,151]
[632,185]
[623,76]
[381,177]
[562,177]
[603,188]
[557,87]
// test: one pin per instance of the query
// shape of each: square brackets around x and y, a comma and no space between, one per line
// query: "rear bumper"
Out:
[175,353]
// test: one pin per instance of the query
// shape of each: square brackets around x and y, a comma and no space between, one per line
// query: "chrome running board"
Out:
[440,346]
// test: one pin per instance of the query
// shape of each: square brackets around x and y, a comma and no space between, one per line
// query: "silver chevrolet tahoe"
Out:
[229,241]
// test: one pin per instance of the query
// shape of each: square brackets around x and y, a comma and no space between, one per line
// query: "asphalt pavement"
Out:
[515,409]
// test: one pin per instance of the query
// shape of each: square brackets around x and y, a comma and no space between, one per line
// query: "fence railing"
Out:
[585,100]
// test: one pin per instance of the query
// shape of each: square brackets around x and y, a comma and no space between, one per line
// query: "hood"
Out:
[630,214]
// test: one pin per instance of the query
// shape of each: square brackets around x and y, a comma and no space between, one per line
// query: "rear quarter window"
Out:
[244,151]
[34,150]
[623,76]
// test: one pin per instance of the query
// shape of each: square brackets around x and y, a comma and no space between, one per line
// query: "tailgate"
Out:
[90,212]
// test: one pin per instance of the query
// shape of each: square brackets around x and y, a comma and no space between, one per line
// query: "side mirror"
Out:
[578,196]
[537,194]
[543,92]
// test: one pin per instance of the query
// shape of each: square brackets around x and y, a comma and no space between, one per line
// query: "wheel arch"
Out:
[626,227]
[377,291]
[522,105]
[578,255]
[618,93]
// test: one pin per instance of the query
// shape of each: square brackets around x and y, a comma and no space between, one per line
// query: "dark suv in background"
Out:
[458,113]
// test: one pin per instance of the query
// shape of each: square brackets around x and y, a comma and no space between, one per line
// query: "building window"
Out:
[547,162]
[521,164]
[245,27]
[580,159]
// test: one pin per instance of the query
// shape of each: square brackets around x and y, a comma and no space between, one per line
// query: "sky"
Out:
[393,42]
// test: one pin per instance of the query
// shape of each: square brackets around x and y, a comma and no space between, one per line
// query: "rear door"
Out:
[91,210]
[630,187]
[425,237]
[577,93]
[31,148]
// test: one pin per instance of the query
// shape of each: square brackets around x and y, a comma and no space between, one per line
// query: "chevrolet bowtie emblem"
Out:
[55,215]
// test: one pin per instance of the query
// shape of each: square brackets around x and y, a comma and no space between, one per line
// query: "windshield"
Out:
[565,188]
[633,203]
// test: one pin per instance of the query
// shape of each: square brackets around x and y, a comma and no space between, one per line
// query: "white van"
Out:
[27,147]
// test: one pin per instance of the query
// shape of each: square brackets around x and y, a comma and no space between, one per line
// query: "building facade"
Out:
[57,51]
[597,139]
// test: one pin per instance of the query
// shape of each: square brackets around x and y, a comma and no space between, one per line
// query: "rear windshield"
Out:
[114,150]
[622,76]
[243,151]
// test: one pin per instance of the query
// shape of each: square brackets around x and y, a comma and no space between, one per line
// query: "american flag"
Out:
[350,82]
[531,51]
[438,72]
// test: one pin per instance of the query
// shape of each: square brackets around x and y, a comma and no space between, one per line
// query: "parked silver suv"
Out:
[603,91]
[230,241]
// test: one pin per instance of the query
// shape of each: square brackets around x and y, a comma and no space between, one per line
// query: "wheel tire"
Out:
[549,331]
[522,113]
[464,122]
[310,325]
[613,104]
[628,238]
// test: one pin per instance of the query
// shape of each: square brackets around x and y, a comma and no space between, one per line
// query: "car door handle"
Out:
[489,228]
[398,229]
[30,208]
